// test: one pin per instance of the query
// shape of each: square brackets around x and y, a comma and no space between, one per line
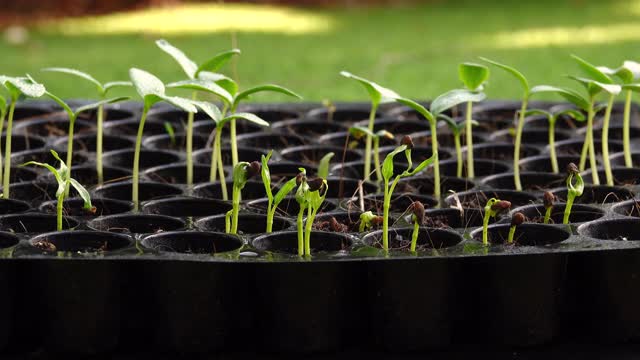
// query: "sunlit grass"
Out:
[196,19]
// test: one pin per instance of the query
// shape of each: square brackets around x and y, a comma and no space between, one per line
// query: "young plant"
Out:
[368,220]
[456,129]
[548,200]
[491,210]
[629,75]
[388,173]
[73,116]
[359,132]
[310,195]
[552,117]
[273,201]
[103,89]
[196,83]
[242,172]
[516,220]
[18,88]
[378,95]
[152,91]
[63,179]
[3,115]
[473,77]
[573,190]
[417,217]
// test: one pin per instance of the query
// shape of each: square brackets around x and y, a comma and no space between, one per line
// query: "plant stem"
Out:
[547,215]
[59,206]
[512,231]
[436,162]
[456,139]
[516,148]
[1,128]
[385,216]
[567,208]
[7,152]
[469,134]
[307,230]
[227,221]
[270,214]
[625,130]
[99,170]
[72,122]
[367,151]
[414,235]
[223,181]
[214,159]
[235,209]
[605,142]
[232,138]
[190,145]
[485,226]
[300,226]
[552,145]
[136,161]
[376,158]
[592,151]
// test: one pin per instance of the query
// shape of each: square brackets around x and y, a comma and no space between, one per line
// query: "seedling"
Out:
[456,129]
[152,91]
[310,195]
[491,210]
[18,88]
[388,173]
[331,108]
[73,116]
[242,172]
[473,77]
[548,200]
[629,74]
[552,117]
[359,132]
[417,217]
[273,201]
[368,220]
[103,89]
[194,72]
[516,220]
[573,189]
[323,165]
[63,179]
[3,115]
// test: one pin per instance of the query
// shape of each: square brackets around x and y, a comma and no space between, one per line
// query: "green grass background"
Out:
[413,49]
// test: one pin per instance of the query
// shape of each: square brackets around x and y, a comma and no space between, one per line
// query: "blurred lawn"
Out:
[414,50]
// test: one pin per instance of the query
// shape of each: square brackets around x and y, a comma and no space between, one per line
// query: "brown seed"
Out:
[548,199]
[300,178]
[406,140]
[501,205]
[572,169]
[315,184]
[253,169]
[377,220]
[517,219]
[417,208]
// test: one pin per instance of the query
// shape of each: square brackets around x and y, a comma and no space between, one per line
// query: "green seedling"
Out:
[629,75]
[378,95]
[103,90]
[552,117]
[273,201]
[417,218]
[456,129]
[63,179]
[242,172]
[18,88]
[359,132]
[516,220]
[197,82]
[548,200]
[368,220]
[152,91]
[388,173]
[573,189]
[323,165]
[473,76]
[491,210]
[171,132]
[73,116]
[3,114]
[331,108]
[310,195]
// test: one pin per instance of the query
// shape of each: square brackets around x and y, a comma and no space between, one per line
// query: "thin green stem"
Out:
[72,122]
[1,128]
[516,148]
[136,161]
[414,235]
[232,138]
[367,151]
[7,152]
[385,216]
[605,142]
[376,158]
[227,221]
[99,168]
[456,140]
[512,231]
[469,134]
[300,226]
[485,228]
[628,162]
[552,145]
[59,206]
[592,151]
[567,209]
[547,215]
[436,162]
[270,215]
[235,210]
[190,144]
[223,181]
[307,230]
[214,159]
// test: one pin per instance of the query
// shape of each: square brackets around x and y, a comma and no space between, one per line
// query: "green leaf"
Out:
[181,103]
[472,75]
[452,124]
[284,191]
[3,107]
[76,73]
[360,131]
[378,94]
[146,83]
[419,108]
[629,71]
[568,94]
[216,62]
[170,131]
[102,102]
[531,112]
[323,165]
[203,85]
[453,98]
[422,165]
[577,115]
[111,84]
[387,164]
[224,81]
[62,103]
[632,87]
[246,116]
[84,194]
[592,71]
[517,74]
[210,109]
[51,169]
[188,66]
[265,173]
[23,86]
[594,87]
[264,88]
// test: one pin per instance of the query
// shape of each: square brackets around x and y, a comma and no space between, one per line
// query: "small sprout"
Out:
[358,132]
[491,210]
[417,217]
[573,190]
[331,108]
[274,201]
[368,220]
[548,200]
[516,220]
[242,172]
[310,196]
[171,132]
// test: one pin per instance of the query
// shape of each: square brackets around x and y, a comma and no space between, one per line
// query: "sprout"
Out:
[103,89]
[516,220]
[417,217]
[171,132]
[473,76]
[323,165]
[310,195]
[491,210]
[242,172]
[64,181]
[573,190]
[18,87]
[273,202]
[368,220]
[548,200]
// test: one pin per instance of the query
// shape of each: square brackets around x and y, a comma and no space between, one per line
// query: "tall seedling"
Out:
[473,77]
